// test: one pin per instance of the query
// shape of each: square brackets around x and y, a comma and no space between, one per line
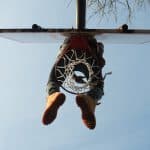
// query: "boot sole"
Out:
[87,116]
[51,112]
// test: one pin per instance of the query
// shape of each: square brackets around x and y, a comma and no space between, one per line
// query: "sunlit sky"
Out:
[123,119]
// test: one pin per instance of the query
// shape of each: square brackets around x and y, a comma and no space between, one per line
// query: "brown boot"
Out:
[54,101]
[87,106]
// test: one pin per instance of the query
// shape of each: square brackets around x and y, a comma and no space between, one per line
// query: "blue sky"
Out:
[122,119]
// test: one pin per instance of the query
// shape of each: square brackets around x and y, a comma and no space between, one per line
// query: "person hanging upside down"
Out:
[85,50]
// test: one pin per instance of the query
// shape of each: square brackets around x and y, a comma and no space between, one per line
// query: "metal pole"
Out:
[81,14]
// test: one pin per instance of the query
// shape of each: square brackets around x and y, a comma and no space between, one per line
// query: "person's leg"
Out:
[55,98]
[88,101]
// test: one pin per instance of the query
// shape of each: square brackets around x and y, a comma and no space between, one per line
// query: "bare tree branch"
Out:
[107,8]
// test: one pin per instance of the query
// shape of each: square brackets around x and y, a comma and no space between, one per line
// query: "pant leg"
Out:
[52,85]
[97,91]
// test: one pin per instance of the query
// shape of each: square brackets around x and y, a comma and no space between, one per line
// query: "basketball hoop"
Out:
[72,67]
